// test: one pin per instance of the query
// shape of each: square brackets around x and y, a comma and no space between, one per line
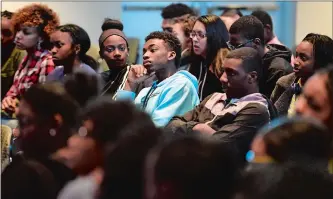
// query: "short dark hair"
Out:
[83,86]
[264,17]
[298,140]
[112,24]
[230,12]
[7,14]
[251,60]
[285,181]
[125,161]
[198,167]
[46,101]
[249,27]
[176,10]
[171,40]
[322,49]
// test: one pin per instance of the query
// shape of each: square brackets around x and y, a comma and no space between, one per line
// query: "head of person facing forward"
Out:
[113,44]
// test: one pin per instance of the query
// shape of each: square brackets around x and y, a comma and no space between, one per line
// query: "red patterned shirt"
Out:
[32,70]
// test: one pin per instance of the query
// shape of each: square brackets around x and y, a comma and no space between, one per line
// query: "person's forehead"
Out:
[156,42]
[61,36]
[305,47]
[316,87]
[232,63]
[114,40]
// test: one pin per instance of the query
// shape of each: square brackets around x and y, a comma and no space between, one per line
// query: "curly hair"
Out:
[172,41]
[37,15]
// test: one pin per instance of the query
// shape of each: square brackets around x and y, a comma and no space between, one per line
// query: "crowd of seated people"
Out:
[219,108]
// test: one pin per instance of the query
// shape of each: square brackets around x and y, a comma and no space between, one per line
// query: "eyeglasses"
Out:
[232,47]
[110,49]
[199,35]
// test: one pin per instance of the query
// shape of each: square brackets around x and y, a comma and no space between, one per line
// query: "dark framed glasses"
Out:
[232,47]
[199,35]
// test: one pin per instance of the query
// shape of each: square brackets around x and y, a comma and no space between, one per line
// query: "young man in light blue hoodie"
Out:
[174,93]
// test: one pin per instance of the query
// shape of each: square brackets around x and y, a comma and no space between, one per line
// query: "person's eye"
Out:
[122,48]
[109,48]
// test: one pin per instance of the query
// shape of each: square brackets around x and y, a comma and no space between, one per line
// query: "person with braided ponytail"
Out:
[70,44]
[313,53]
[33,25]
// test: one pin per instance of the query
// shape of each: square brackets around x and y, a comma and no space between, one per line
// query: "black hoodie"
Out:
[276,63]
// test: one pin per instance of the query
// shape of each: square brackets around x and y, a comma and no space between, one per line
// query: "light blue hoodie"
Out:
[173,96]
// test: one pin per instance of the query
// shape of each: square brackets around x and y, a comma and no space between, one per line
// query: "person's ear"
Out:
[171,55]
[257,41]
[58,119]
[77,49]
[253,77]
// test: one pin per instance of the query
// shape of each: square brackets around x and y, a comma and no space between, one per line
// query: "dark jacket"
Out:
[234,123]
[283,93]
[113,80]
[208,82]
[276,63]
[30,178]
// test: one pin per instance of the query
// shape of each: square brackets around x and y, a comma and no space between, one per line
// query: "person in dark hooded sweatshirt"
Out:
[249,31]
[270,37]
[115,51]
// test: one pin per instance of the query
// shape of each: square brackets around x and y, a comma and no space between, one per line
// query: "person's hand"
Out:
[204,128]
[8,103]
[135,72]
[138,70]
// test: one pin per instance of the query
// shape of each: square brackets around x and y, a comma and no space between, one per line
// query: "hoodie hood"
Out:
[276,50]
[180,75]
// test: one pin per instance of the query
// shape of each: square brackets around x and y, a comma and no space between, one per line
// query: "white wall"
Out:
[88,15]
[313,17]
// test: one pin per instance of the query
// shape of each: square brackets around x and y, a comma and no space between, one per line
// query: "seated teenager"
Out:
[248,31]
[236,115]
[115,51]
[312,54]
[11,56]
[174,93]
[32,35]
[69,46]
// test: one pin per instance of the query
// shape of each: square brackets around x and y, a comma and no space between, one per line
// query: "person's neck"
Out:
[165,72]
[270,38]
[70,65]
[31,51]
[263,50]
